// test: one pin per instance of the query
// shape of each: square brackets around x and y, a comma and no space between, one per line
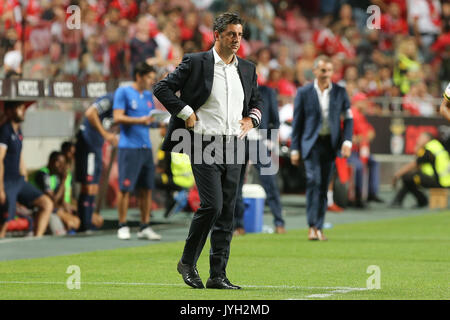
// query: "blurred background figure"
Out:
[51,180]
[428,170]
[364,165]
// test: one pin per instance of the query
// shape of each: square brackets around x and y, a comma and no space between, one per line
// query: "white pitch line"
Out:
[3,241]
[336,289]
[319,295]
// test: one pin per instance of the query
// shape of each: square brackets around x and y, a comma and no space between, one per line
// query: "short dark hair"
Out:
[142,68]
[12,104]
[54,156]
[66,145]
[223,20]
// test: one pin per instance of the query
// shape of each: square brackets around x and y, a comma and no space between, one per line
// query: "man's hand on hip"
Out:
[246,126]
[190,122]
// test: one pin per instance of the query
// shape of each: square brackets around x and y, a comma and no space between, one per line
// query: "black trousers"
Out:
[217,185]
[412,181]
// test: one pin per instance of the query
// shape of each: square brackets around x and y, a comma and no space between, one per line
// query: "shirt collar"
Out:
[316,86]
[218,59]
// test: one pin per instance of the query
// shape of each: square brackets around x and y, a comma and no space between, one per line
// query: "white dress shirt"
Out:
[324,101]
[222,111]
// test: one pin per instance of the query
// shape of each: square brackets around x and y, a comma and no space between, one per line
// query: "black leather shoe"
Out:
[375,198]
[395,205]
[190,275]
[360,204]
[420,205]
[221,283]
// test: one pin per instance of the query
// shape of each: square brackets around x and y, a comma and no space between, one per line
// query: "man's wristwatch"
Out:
[254,122]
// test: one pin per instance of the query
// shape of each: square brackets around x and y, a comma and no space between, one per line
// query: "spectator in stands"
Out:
[94,131]
[304,66]
[359,10]
[116,53]
[428,170]
[189,30]
[407,65]
[13,184]
[345,19]
[51,181]
[12,61]
[350,75]
[425,19]
[260,15]
[385,80]
[89,25]
[206,28]
[418,102]
[165,38]
[128,9]
[92,66]
[282,59]
[264,56]
[112,17]
[392,24]
[142,47]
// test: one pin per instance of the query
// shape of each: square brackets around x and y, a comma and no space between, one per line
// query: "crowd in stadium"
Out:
[407,56]
[402,53]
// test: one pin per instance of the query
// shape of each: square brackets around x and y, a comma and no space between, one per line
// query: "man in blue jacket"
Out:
[317,136]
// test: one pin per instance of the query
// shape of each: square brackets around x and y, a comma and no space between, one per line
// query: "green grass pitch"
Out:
[412,254]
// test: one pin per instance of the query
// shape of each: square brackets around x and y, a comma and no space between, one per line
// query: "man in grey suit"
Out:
[317,137]
[218,101]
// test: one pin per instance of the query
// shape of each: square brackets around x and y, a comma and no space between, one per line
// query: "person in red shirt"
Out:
[392,24]
[363,134]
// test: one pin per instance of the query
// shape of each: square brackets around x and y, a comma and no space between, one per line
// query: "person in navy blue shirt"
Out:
[13,185]
[132,107]
[269,120]
[93,132]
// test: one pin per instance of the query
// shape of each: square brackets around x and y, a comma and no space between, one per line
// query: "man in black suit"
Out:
[317,136]
[218,101]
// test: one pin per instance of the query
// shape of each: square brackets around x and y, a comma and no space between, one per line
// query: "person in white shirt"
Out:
[317,137]
[218,100]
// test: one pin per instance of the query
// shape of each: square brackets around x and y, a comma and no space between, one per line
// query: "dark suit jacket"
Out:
[308,119]
[194,78]
[270,115]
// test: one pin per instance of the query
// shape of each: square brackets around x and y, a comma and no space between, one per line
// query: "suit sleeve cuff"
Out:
[255,114]
[348,143]
[185,113]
